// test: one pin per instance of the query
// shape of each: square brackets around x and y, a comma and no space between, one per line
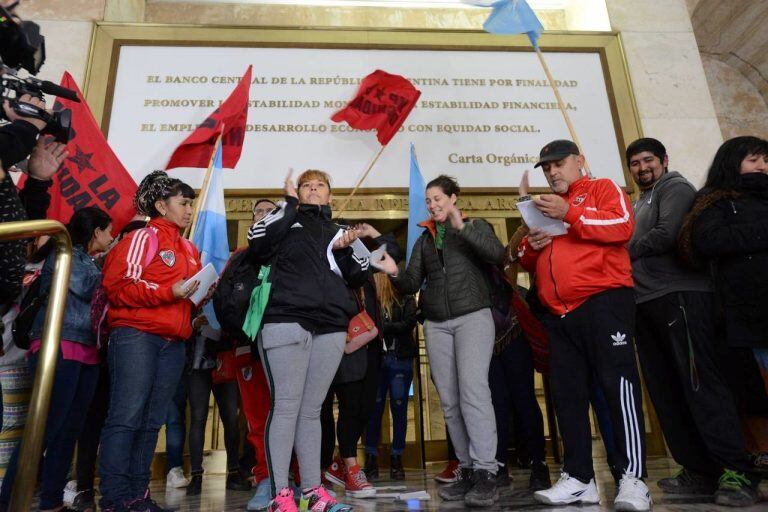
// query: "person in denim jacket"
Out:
[77,368]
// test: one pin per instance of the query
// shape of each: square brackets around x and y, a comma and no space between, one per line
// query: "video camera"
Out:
[23,47]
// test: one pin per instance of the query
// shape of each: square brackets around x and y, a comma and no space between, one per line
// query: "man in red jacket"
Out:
[584,278]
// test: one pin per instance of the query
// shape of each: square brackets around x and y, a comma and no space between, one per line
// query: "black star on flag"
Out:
[82,160]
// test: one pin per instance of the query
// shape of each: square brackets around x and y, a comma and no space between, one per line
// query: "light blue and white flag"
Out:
[511,17]
[417,204]
[210,235]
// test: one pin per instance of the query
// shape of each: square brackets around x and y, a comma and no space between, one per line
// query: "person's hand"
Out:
[290,187]
[199,322]
[46,158]
[386,265]
[454,216]
[538,239]
[524,185]
[345,239]
[11,114]
[552,205]
[180,292]
[366,230]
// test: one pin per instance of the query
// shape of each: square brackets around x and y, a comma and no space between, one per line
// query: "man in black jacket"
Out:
[676,338]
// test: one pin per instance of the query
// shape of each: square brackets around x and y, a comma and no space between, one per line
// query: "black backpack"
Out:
[233,294]
[31,303]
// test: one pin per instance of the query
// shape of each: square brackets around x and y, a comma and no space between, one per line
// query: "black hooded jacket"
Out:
[294,239]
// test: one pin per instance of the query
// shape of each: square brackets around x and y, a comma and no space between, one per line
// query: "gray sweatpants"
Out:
[300,367]
[459,352]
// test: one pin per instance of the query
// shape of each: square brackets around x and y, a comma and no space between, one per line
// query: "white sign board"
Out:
[482,117]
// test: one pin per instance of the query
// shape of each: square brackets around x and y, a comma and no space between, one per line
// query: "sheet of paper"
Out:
[535,219]
[360,250]
[329,253]
[207,277]
[377,255]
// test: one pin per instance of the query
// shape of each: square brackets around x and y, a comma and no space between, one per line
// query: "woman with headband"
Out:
[150,316]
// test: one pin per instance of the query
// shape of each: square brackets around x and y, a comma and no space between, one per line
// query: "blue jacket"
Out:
[83,281]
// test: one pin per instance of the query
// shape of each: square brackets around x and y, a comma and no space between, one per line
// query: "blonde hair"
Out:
[387,293]
[314,174]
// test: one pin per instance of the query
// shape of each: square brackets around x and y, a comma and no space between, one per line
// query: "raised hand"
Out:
[46,158]
[290,187]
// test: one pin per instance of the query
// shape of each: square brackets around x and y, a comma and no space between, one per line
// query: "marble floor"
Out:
[215,498]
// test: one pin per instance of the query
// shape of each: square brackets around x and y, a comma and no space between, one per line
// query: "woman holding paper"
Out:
[451,257]
[304,328]
[150,316]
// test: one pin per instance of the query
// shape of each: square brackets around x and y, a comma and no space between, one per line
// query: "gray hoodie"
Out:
[659,214]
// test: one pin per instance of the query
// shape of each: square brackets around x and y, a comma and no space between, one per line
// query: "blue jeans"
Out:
[395,378]
[176,426]
[144,373]
[73,388]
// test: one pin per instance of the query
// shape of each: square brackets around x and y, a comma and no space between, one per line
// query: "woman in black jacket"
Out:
[398,321]
[304,328]
[451,258]
[728,227]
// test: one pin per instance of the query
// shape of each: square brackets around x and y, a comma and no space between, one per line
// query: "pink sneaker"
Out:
[283,502]
[319,500]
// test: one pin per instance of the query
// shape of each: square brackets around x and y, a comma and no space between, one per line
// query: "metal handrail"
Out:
[34,431]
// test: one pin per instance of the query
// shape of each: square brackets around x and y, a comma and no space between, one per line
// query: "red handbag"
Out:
[361,330]
[226,368]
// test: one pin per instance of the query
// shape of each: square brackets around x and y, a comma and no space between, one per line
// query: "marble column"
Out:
[668,78]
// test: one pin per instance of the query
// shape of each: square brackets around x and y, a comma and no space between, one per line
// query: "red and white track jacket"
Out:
[140,294]
[592,257]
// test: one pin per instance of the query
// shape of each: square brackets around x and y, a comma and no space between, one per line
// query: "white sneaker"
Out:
[70,491]
[568,490]
[633,495]
[176,479]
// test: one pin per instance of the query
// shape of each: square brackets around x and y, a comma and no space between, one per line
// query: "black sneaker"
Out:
[688,482]
[371,468]
[735,490]
[396,471]
[195,486]
[540,478]
[502,478]
[484,492]
[760,461]
[147,504]
[457,490]
[84,502]
[236,481]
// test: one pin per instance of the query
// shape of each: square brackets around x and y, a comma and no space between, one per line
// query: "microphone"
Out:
[57,90]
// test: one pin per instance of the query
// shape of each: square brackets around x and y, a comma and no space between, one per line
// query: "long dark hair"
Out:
[81,228]
[724,173]
[447,184]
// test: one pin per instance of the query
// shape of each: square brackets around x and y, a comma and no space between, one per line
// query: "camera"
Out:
[23,47]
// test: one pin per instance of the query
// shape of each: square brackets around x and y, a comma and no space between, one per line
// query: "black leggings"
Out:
[226,396]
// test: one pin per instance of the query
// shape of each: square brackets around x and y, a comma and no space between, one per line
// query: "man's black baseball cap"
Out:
[557,150]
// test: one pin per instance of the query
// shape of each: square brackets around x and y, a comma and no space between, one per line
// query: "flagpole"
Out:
[561,105]
[189,233]
[360,182]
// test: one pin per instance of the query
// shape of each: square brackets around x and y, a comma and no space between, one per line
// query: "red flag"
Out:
[383,102]
[232,114]
[92,175]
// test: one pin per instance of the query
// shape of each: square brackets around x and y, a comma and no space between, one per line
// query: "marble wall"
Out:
[741,109]
[664,63]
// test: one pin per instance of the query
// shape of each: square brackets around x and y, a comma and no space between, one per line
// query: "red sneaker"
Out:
[337,472]
[450,474]
[357,484]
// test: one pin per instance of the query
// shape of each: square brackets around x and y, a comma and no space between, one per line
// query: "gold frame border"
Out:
[109,37]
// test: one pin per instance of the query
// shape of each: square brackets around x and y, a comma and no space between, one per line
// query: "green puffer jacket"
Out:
[456,281]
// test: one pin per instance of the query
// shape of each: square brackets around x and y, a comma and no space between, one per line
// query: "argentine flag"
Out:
[210,236]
